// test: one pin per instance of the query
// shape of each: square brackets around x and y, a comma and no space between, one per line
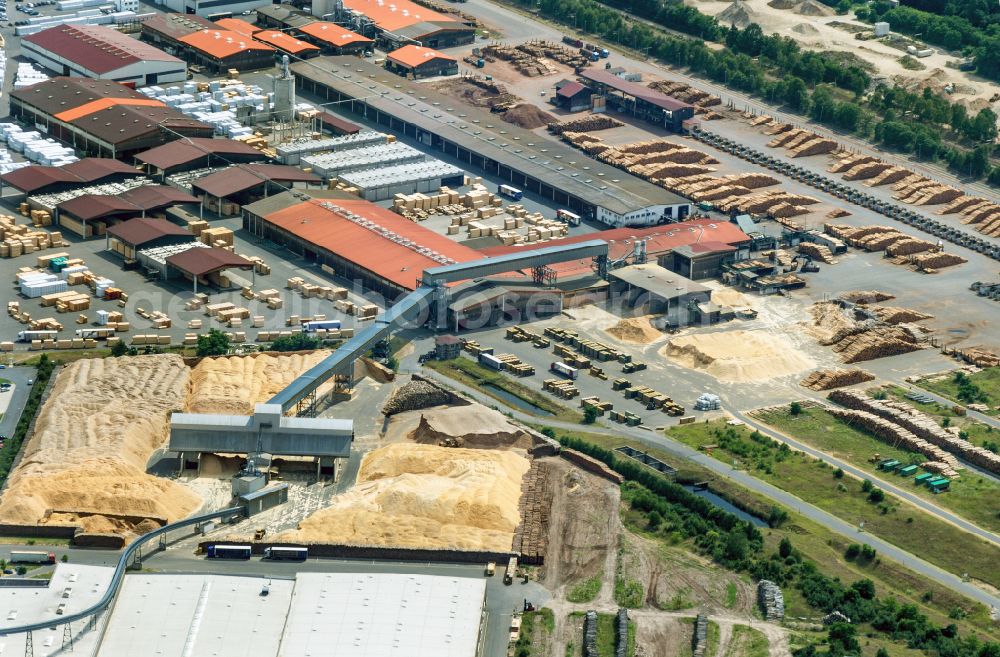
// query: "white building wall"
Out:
[138,72]
[648,216]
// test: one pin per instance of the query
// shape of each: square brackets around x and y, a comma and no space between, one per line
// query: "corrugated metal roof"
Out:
[199,262]
[243,177]
[332,34]
[121,124]
[97,48]
[570,89]
[88,170]
[237,25]
[391,16]
[63,93]
[222,44]
[141,230]
[136,200]
[175,26]
[192,149]
[413,56]
[367,247]
[284,42]
[633,89]
[103,104]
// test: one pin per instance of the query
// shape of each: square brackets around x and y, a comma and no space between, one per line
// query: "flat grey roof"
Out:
[486,134]
[384,615]
[217,615]
[657,280]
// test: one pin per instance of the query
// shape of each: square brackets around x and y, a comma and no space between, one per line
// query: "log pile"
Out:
[924,191]
[897,436]
[866,296]
[909,246]
[866,170]
[686,93]
[531,536]
[830,379]
[800,143]
[588,123]
[896,315]
[877,342]
[845,161]
[890,176]
[919,424]
[975,356]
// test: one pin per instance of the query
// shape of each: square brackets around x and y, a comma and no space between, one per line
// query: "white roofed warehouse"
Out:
[102,53]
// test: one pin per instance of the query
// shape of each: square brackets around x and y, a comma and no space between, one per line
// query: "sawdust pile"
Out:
[468,426]
[784,4]
[93,437]
[738,356]
[638,330]
[813,8]
[806,29]
[866,296]
[422,496]
[727,296]
[233,384]
[528,116]
[737,14]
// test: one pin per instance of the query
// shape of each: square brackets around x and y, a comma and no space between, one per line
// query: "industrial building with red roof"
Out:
[245,183]
[362,241]
[403,21]
[333,39]
[419,62]
[287,43]
[221,50]
[90,214]
[38,179]
[95,51]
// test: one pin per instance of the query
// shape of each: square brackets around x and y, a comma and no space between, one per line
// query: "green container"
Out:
[907,471]
[890,465]
[922,478]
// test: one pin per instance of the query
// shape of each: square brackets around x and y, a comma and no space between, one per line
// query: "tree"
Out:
[795,408]
[876,495]
[64,558]
[852,552]
[785,548]
[796,94]
[979,161]
[838,473]
[867,485]
[842,639]
[21,570]
[984,126]
[213,343]
[589,415]
[119,349]
[867,552]
[295,342]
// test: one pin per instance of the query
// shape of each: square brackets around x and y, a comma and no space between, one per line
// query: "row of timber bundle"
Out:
[845,161]
[588,123]
[685,93]
[982,214]
[924,191]
[830,379]
[922,255]
[802,143]
[890,432]
[760,119]
[921,425]
[975,356]
[909,246]
[817,252]
[531,536]
[877,342]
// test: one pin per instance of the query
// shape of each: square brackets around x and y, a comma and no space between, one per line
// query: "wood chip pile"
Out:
[866,296]
[830,379]
[897,315]
[921,425]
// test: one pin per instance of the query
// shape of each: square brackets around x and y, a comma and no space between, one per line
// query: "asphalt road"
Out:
[746,480]
[19,376]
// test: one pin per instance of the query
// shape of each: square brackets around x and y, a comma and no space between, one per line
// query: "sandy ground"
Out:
[738,356]
[425,496]
[817,33]
[92,439]
[234,384]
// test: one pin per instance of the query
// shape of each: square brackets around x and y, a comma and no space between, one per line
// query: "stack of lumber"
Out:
[889,176]
[756,120]
[930,262]
[588,123]
[909,246]
[776,128]
[801,143]
[924,192]
[877,342]
[817,252]
[830,379]
[845,161]
[687,94]
[921,425]
[866,170]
